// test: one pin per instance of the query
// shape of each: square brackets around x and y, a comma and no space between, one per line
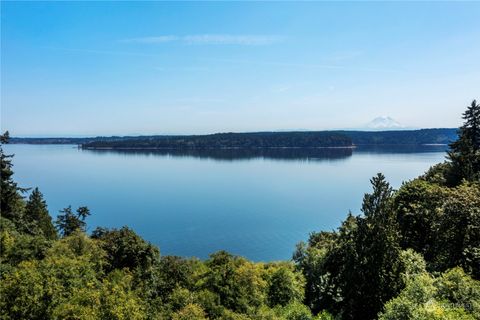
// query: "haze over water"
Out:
[255,205]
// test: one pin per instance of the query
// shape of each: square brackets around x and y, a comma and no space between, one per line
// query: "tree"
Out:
[10,197]
[458,239]
[36,213]
[190,312]
[249,292]
[176,271]
[452,296]
[69,284]
[238,283]
[465,152]
[325,251]
[126,249]
[295,311]
[68,222]
[35,287]
[418,206]
[22,293]
[366,262]
[285,286]
[220,277]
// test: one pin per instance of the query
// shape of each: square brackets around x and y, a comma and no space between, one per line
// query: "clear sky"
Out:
[104,68]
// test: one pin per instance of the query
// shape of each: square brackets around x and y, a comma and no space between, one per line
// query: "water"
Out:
[258,203]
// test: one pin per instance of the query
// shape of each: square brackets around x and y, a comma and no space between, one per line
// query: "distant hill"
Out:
[311,139]
[60,140]
[299,139]
[67,140]
[403,137]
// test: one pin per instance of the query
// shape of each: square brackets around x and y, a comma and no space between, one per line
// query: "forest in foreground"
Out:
[413,253]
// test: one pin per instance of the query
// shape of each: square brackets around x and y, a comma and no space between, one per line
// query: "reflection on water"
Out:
[303,154]
[195,202]
[299,154]
[398,149]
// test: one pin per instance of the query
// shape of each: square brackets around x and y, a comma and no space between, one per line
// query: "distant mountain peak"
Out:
[384,123]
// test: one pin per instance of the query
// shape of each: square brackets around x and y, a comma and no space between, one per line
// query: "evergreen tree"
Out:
[10,197]
[465,152]
[36,213]
[68,222]
[367,259]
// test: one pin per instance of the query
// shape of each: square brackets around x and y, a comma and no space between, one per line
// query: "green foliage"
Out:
[18,247]
[10,198]
[324,315]
[126,249]
[375,265]
[453,295]
[366,262]
[295,311]
[259,139]
[402,137]
[111,298]
[284,285]
[69,283]
[309,139]
[458,240]
[69,222]
[437,174]
[465,152]
[34,288]
[37,216]
[238,282]
[418,205]
[190,312]
[210,302]
[460,289]
[22,293]
[412,263]
[320,290]
[176,272]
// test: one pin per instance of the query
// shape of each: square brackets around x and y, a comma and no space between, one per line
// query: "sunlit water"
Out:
[258,203]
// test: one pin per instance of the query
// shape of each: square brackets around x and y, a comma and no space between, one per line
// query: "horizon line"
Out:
[222,132]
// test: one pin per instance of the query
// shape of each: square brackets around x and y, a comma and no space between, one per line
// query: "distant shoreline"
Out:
[340,139]
[213,148]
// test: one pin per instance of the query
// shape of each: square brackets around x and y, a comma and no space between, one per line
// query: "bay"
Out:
[255,203]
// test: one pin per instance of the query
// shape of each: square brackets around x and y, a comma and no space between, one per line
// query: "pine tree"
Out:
[36,213]
[10,197]
[366,261]
[465,152]
[69,222]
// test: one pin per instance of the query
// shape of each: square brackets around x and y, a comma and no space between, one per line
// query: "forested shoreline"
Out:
[413,253]
[258,140]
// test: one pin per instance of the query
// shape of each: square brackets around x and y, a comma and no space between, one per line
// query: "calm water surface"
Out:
[258,204]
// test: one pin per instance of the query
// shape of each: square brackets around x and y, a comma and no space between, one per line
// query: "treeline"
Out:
[306,139]
[403,137]
[414,253]
[230,140]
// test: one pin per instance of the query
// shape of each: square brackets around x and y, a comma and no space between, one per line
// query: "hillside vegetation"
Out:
[413,253]
[304,139]
[312,139]
[403,137]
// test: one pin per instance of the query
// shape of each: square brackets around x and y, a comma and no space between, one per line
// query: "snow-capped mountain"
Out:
[384,123]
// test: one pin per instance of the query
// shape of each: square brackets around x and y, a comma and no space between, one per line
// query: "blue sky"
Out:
[105,68]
